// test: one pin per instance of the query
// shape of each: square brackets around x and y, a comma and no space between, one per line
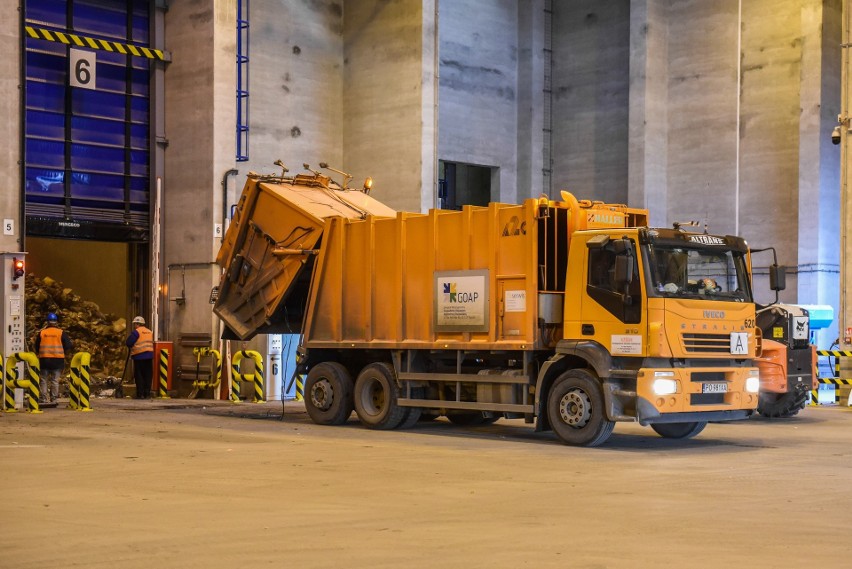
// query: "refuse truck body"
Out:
[570,314]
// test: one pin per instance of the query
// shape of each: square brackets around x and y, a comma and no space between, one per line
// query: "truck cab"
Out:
[666,320]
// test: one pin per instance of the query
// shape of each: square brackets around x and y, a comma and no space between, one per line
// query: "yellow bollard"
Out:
[162,385]
[81,382]
[217,371]
[31,385]
[256,378]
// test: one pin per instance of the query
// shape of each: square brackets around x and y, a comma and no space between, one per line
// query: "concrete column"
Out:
[200,127]
[648,111]
[296,87]
[819,159]
[389,99]
[530,89]
[702,113]
[591,72]
[845,313]
[478,96]
[11,84]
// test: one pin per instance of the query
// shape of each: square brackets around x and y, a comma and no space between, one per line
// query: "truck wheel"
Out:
[679,430]
[328,394]
[781,405]
[575,409]
[376,395]
[413,414]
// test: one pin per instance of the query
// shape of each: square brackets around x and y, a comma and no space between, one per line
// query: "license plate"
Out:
[714,388]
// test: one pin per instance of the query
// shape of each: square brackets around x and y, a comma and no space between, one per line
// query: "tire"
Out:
[376,394]
[328,394]
[679,430]
[782,405]
[413,414]
[576,410]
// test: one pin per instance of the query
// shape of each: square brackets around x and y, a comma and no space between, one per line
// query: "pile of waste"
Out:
[100,334]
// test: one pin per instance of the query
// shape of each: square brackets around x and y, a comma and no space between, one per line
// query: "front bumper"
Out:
[718,393]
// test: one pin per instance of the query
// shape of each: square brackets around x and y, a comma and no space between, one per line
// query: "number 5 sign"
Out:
[82,68]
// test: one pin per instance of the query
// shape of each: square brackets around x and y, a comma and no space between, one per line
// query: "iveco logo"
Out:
[714,314]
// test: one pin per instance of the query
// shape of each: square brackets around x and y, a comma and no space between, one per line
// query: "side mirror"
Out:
[777,277]
[623,271]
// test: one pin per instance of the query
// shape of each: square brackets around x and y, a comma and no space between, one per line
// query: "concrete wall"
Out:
[388,99]
[478,95]
[591,72]
[10,129]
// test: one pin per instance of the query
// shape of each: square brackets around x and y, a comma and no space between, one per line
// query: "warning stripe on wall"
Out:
[93,43]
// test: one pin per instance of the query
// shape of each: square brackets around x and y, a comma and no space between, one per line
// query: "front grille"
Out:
[707,343]
[707,399]
[708,376]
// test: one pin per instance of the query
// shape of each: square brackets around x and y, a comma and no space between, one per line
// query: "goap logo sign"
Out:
[452,294]
[461,301]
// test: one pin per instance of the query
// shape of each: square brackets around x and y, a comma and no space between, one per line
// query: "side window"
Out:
[626,305]
[602,269]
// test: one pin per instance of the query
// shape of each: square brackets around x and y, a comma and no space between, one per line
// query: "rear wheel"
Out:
[328,394]
[781,405]
[376,394]
[679,430]
[575,409]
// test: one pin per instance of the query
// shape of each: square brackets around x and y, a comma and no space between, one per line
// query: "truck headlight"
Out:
[665,386]
[752,384]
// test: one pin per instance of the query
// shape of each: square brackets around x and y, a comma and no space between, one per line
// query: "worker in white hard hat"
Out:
[141,344]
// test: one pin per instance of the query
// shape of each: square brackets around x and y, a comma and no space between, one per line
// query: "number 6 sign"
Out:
[82,68]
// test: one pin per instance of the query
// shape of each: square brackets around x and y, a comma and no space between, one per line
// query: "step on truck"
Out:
[570,314]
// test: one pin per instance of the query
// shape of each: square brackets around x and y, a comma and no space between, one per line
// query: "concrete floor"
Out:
[211,484]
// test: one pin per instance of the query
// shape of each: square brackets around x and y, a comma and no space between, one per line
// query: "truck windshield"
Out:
[706,273]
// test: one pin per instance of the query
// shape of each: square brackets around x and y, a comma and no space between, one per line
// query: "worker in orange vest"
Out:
[51,345]
[141,344]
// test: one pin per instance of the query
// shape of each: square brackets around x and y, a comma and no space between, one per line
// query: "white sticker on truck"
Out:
[739,343]
[624,344]
[516,301]
[800,328]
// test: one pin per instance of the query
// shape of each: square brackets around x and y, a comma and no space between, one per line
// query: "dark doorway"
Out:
[463,184]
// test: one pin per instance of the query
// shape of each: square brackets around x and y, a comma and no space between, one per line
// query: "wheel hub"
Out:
[575,408]
[322,395]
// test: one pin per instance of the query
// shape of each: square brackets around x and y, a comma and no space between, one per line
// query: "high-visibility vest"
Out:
[145,342]
[50,344]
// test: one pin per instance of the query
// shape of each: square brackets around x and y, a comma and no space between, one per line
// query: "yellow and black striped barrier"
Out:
[76,40]
[835,381]
[163,376]
[256,377]
[300,388]
[217,370]
[31,385]
[81,382]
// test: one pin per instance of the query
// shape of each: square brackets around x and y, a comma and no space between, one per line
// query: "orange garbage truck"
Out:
[570,314]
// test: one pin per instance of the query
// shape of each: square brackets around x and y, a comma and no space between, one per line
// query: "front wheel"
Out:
[376,395]
[782,405]
[328,394]
[575,409]
[679,430]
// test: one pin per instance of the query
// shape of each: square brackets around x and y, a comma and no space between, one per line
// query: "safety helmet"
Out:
[51,317]
[139,320]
